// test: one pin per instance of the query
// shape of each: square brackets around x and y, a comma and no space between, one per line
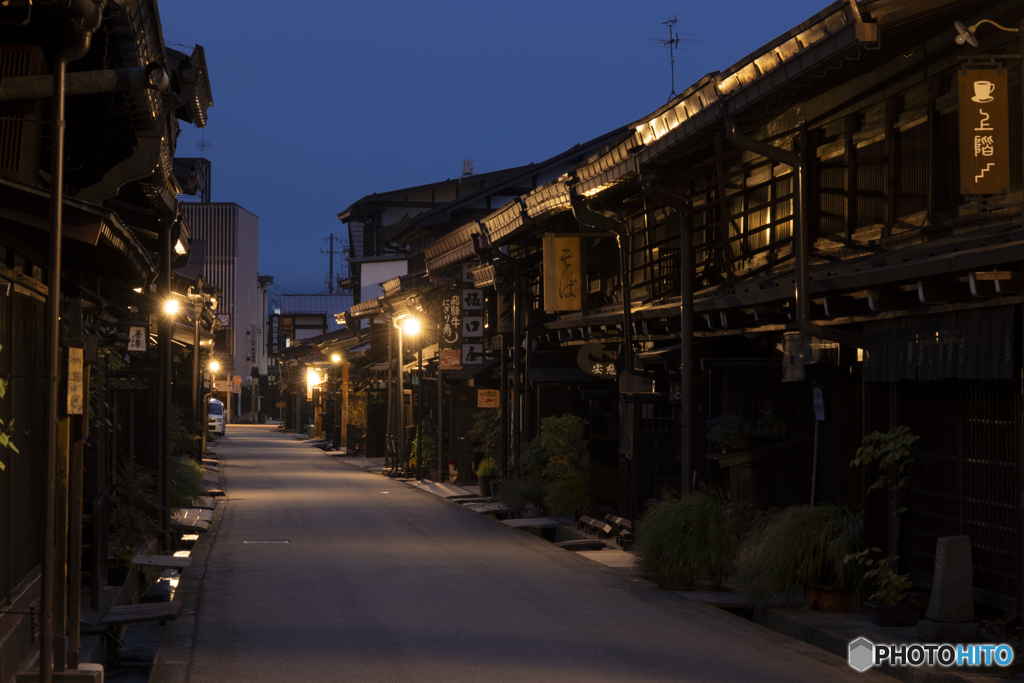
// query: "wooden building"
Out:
[104,175]
[840,210]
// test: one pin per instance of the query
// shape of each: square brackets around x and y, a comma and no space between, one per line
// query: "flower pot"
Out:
[893,615]
[742,443]
[835,600]
[485,485]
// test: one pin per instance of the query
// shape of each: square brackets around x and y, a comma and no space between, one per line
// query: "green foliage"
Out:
[679,539]
[889,454]
[6,430]
[799,546]
[485,434]
[184,441]
[488,468]
[517,494]
[132,519]
[186,481]
[568,496]
[428,456]
[560,451]
[726,428]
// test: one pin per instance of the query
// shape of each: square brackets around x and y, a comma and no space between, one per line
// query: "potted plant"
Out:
[802,547]
[680,539]
[889,454]
[1006,629]
[485,472]
[730,430]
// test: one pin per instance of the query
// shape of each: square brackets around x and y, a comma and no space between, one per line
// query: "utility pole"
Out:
[342,253]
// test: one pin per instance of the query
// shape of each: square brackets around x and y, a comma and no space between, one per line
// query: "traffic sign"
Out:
[236,380]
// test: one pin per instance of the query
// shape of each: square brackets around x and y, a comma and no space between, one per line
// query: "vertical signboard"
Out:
[451,320]
[562,280]
[76,381]
[472,354]
[504,310]
[275,331]
[984,131]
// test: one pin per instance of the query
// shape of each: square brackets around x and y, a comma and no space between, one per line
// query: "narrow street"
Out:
[379,582]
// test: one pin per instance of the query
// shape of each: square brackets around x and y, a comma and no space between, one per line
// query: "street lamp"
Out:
[410,325]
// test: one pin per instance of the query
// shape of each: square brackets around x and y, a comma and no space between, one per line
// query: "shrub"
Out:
[134,501]
[799,546]
[428,454]
[485,434]
[186,482]
[517,494]
[487,468]
[568,496]
[679,539]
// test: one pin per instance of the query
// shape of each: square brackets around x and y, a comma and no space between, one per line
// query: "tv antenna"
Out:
[673,44]
[203,145]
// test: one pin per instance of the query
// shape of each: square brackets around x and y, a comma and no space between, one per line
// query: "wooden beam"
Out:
[892,300]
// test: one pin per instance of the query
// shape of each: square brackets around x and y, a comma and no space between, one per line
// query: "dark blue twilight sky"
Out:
[319,103]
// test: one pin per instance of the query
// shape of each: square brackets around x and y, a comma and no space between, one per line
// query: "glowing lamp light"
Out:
[312,378]
[335,358]
[171,307]
[411,326]
[214,366]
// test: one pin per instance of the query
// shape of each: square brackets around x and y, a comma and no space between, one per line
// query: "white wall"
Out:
[374,274]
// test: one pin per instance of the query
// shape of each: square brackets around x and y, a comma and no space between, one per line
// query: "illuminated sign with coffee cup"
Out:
[984,131]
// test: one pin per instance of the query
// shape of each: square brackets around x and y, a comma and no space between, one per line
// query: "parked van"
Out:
[216,424]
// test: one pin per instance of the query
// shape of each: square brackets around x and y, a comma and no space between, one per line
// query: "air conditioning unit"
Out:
[467,167]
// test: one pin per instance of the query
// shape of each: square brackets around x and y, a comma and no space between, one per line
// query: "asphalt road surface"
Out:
[379,582]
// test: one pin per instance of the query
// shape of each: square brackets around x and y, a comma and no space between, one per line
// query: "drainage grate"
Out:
[265,542]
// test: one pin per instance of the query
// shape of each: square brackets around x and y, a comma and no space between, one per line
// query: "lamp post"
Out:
[338,415]
[410,325]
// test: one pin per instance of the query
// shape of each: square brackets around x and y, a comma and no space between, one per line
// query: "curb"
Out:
[174,655]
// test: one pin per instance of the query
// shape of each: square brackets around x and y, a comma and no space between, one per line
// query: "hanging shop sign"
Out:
[599,360]
[488,398]
[472,354]
[473,326]
[562,279]
[473,299]
[984,131]
[138,338]
[451,320]
[451,359]
[504,313]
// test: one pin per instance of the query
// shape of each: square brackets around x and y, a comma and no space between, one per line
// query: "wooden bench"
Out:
[165,561]
[143,612]
[624,537]
[595,526]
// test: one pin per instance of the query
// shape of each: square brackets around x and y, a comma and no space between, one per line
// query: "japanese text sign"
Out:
[562,280]
[984,131]
[488,398]
[451,319]
[473,299]
[504,312]
[137,338]
[472,354]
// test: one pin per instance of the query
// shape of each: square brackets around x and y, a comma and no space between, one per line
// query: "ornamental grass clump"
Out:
[798,546]
[680,539]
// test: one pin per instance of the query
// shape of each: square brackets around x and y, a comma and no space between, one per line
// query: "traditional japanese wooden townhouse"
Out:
[828,231]
[82,336]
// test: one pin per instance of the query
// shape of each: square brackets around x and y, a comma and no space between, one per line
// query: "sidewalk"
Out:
[831,632]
